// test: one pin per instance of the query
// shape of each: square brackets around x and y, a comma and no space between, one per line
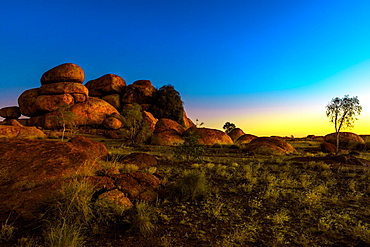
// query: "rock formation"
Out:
[210,136]
[11,112]
[244,139]
[17,130]
[269,146]
[236,133]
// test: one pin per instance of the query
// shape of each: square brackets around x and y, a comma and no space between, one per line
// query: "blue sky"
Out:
[268,66]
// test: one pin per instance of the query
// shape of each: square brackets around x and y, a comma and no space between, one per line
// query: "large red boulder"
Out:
[105,85]
[269,146]
[49,103]
[27,102]
[165,124]
[67,72]
[11,112]
[150,120]
[114,100]
[210,136]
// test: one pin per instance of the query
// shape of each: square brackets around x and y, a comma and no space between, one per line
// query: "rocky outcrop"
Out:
[244,139]
[17,130]
[347,140]
[140,92]
[269,146]
[112,123]
[106,85]
[114,100]
[150,120]
[210,136]
[67,72]
[236,133]
[11,112]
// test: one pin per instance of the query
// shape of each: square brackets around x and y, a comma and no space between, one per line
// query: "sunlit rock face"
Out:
[236,133]
[67,72]
[106,85]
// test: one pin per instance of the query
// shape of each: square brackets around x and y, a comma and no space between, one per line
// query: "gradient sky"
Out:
[269,66]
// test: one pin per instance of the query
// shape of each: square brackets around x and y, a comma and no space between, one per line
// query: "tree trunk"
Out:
[337,150]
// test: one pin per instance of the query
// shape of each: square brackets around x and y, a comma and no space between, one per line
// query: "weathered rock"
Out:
[16,130]
[105,85]
[11,112]
[63,88]
[138,185]
[27,102]
[92,112]
[140,92]
[244,139]
[96,149]
[142,160]
[49,103]
[347,140]
[187,122]
[166,138]
[150,120]
[236,133]
[328,148]
[165,124]
[112,123]
[114,100]
[79,97]
[269,146]
[35,169]
[210,136]
[67,72]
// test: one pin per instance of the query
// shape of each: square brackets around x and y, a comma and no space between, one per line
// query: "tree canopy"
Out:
[228,127]
[168,104]
[342,112]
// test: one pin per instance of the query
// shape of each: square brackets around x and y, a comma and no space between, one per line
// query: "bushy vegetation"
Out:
[168,104]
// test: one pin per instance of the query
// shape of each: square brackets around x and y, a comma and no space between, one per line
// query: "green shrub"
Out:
[190,149]
[143,217]
[192,186]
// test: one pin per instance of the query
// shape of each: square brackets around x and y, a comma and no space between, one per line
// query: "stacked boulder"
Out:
[62,85]
[11,112]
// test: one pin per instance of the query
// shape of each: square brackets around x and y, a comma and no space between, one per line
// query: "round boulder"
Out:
[112,123]
[269,146]
[210,136]
[11,112]
[49,103]
[328,148]
[114,100]
[105,85]
[236,133]
[67,72]
[142,160]
[165,124]
[347,140]
[27,102]
[166,138]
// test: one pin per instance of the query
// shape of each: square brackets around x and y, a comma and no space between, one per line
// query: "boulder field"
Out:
[34,170]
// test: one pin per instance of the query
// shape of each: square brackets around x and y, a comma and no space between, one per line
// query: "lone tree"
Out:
[342,113]
[228,127]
